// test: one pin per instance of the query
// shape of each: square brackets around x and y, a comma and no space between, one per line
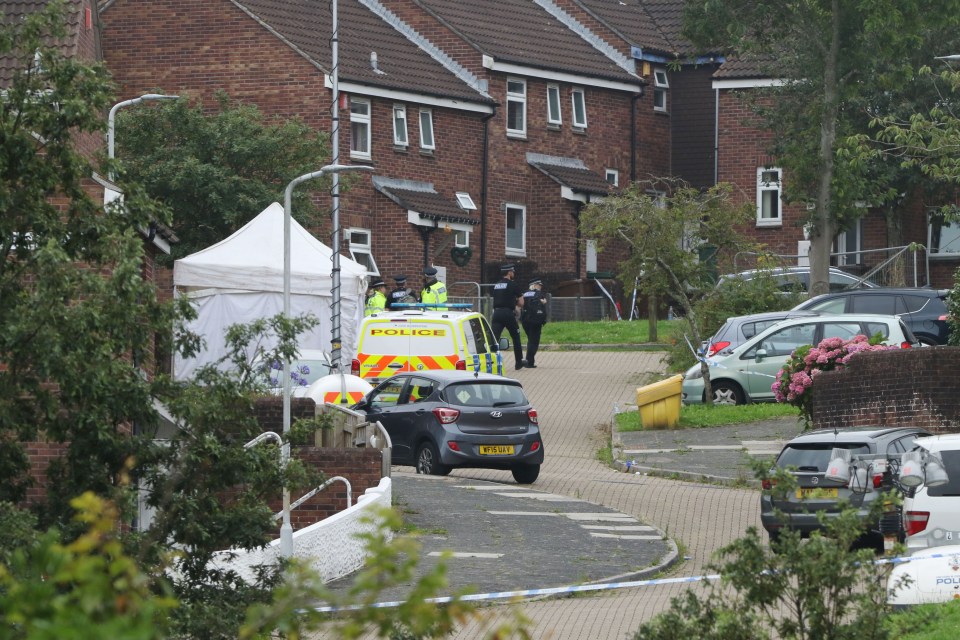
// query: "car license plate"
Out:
[816,492]
[496,450]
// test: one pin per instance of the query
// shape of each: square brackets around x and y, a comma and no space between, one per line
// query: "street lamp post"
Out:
[286,530]
[126,103]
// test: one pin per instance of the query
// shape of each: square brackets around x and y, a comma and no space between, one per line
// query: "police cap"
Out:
[377,282]
[507,267]
[399,279]
[536,281]
[430,271]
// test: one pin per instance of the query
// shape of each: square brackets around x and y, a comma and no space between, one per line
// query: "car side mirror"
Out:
[363,405]
[761,354]
[504,344]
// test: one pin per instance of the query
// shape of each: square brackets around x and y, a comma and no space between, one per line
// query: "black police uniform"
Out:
[401,294]
[533,316]
[505,294]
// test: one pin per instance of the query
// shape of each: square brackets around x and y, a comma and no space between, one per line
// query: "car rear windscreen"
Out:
[816,455]
[485,394]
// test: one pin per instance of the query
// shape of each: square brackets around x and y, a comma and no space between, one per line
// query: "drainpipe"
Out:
[425,236]
[483,194]
[634,144]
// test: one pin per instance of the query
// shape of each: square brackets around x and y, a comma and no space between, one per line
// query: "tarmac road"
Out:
[575,394]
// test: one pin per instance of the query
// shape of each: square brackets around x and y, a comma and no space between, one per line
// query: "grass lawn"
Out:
[695,416]
[605,332]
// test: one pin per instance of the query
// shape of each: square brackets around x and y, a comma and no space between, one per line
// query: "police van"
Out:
[419,338]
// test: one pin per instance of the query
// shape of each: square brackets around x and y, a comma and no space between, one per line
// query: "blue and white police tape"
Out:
[606,586]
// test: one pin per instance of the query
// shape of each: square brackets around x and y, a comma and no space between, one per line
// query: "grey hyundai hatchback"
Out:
[807,457]
[442,419]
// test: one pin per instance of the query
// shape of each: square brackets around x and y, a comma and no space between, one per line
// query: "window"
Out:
[399,125]
[553,105]
[944,235]
[516,229]
[361,249]
[612,177]
[847,245]
[660,86]
[516,107]
[579,109]
[461,239]
[465,201]
[768,197]
[359,128]
[426,129]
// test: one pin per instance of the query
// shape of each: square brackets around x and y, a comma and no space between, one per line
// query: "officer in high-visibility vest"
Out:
[376,297]
[434,292]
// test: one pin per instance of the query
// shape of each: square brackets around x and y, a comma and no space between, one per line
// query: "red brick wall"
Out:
[899,387]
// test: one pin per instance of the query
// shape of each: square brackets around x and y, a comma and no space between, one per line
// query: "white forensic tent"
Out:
[240,279]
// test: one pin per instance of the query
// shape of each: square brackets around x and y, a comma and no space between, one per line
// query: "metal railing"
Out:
[351,429]
[299,501]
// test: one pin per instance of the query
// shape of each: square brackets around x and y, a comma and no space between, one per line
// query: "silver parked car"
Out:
[738,329]
[442,419]
[747,373]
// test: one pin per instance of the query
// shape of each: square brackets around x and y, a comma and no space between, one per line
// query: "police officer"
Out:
[507,296]
[376,297]
[401,294]
[434,292]
[533,316]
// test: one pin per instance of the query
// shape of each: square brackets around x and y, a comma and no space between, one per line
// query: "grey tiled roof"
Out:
[745,68]
[668,14]
[572,173]
[631,21]
[307,25]
[422,198]
[12,12]
[521,32]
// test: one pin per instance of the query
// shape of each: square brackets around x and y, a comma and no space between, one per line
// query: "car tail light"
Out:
[768,484]
[446,415]
[915,521]
[877,480]
[355,367]
[535,446]
[453,446]
[532,416]
[461,365]
[943,318]
[717,347]
[905,345]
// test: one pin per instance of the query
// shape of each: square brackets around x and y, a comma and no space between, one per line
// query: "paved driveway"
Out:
[575,394]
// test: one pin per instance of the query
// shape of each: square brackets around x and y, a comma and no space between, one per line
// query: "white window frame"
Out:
[660,85]
[522,211]
[461,238]
[554,111]
[427,141]
[400,132]
[360,126]
[841,245]
[947,246]
[465,201]
[517,100]
[361,249]
[765,186]
[579,100]
[612,176]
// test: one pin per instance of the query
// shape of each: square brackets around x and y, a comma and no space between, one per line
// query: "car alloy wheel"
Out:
[727,393]
[428,461]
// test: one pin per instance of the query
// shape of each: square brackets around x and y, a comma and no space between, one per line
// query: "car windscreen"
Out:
[815,456]
[485,394]
[406,338]
[951,464]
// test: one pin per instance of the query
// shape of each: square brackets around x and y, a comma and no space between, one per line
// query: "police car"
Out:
[418,338]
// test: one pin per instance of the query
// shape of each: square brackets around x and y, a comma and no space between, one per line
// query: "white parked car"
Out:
[747,373]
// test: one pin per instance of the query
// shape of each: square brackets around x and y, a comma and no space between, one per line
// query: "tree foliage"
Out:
[216,167]
[838,64]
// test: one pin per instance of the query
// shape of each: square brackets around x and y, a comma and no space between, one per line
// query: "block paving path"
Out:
[575,393]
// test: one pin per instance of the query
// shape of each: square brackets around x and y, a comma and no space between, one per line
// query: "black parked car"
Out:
[443,419]
[923,310]
[808,455]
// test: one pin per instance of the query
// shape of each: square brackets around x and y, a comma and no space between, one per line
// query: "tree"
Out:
[668,237]
[837,61]
[217,168]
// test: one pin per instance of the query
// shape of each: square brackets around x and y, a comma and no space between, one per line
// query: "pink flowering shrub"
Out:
[794,381]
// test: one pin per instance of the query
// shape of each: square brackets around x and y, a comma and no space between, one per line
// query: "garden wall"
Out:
[899,387]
